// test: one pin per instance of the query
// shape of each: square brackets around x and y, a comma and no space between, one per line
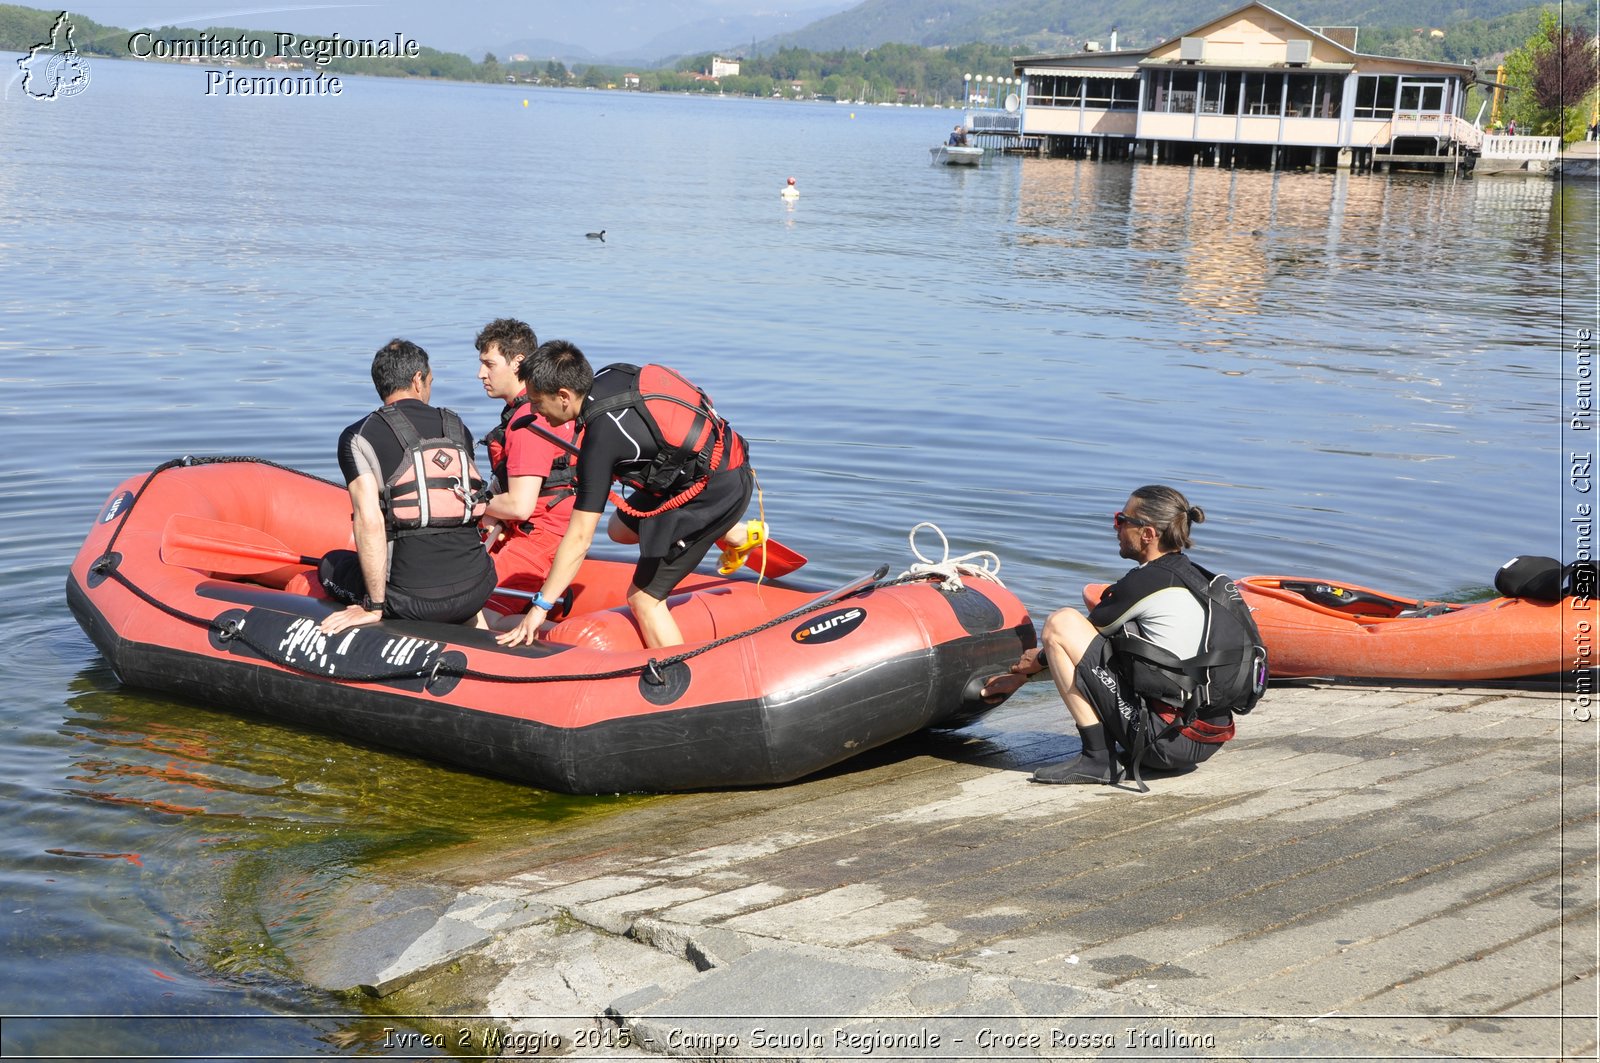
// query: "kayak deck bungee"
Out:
[1313,626]
[774,681]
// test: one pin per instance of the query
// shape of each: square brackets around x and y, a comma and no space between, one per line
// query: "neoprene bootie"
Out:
[1090,766]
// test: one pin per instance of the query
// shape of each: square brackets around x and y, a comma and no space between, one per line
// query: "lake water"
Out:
[1355,375]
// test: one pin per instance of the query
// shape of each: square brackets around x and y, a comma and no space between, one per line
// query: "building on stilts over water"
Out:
[1251,88]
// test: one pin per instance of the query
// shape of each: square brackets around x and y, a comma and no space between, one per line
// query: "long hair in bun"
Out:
[1170,514]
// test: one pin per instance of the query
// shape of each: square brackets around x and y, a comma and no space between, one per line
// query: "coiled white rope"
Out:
[984,564]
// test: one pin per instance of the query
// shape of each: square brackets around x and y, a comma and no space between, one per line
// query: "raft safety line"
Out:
[650,671]
[949,570]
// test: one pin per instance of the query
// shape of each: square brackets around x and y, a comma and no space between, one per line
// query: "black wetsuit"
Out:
[672,541]
[1152,603]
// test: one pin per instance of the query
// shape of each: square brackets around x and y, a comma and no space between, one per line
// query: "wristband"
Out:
[541,602]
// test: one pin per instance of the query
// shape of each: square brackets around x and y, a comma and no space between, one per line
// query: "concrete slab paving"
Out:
[1366,873]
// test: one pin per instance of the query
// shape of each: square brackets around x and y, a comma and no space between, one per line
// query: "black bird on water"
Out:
[601,236]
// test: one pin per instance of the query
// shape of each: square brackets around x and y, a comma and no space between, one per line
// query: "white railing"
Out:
[1468,134]
[994,122]
[1444,126]
[1508,147]
[1421,125]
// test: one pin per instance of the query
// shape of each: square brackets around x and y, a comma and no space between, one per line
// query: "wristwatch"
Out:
[369,605]
[541,602]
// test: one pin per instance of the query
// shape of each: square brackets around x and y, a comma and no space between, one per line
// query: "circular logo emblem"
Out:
[116,507]
[67,75]
[829,627]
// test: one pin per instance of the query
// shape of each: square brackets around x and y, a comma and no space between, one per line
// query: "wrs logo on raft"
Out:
[116,507]
[829,627]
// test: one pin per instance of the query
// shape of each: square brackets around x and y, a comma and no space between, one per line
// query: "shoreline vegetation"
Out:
[889,73]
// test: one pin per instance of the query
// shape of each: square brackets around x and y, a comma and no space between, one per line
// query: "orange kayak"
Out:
[1320,627]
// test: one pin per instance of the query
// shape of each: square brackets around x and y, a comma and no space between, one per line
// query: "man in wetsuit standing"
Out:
[1150,602]
[680,506]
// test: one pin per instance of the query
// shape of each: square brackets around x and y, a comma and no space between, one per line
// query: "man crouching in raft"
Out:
[659,434]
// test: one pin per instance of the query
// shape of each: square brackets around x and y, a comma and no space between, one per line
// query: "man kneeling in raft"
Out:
[1160,665]
[659,434]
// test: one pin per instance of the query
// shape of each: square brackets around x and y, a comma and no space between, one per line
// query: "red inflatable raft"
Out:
[1321,627]
[775,680]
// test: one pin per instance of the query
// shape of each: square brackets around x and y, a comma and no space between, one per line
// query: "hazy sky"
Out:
[601,26]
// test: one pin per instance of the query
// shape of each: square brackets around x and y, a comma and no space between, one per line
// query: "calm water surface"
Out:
[1354,375]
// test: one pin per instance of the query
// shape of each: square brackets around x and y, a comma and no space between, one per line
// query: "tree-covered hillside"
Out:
[1033,26]
[887,74]
[23,27]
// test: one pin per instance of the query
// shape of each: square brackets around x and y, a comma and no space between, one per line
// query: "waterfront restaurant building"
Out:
[1253,87]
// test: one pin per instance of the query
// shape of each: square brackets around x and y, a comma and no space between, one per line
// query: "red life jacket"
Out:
[557,486]
[437,485]
[494,444]
[692,441]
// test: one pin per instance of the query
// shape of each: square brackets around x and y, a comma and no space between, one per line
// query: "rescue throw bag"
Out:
[692,441]
[437,485]
[1230,670]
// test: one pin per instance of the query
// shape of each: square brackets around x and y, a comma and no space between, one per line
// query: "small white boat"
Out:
[952,155]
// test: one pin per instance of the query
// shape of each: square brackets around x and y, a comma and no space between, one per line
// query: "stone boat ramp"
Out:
[1365,873]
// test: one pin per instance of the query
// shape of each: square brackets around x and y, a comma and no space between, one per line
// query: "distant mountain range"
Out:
[614,32]
[1064,25]
[654,33]
[696,32]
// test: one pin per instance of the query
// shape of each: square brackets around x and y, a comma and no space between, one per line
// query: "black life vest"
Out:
[558,485]
[436,486]
[1227,675]
[1169,693]
[692,441]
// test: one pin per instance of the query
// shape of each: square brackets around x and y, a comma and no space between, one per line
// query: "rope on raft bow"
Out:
[983,564]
